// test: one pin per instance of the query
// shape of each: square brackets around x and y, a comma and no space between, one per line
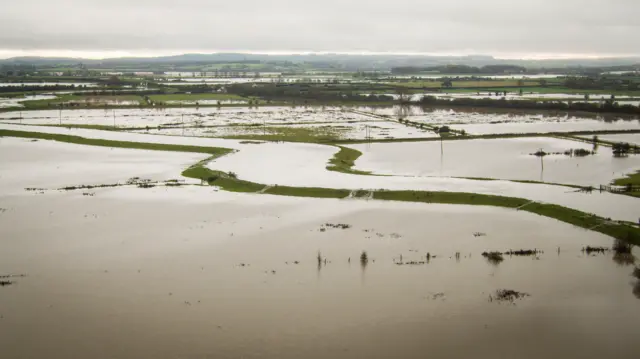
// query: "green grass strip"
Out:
[215,151]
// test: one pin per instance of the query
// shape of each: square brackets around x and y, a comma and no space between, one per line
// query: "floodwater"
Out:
[303,165]
[204,116]
[497,158]
[15,102]
[193,273]
[26,163]
[374,129]
[633,138]
[472,122]
[548,126]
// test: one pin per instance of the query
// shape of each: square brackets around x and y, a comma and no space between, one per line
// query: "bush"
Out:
[364,258]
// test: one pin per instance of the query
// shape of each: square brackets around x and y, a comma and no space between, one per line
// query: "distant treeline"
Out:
[608,106]
[304,92]
[459,69]
[613,83]
[34,87]
[510,69]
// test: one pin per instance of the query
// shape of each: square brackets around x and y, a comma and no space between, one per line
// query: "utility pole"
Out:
[114,118]
[60,116]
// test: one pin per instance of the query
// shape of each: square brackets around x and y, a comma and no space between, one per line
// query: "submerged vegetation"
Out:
[493,257]
[508,295]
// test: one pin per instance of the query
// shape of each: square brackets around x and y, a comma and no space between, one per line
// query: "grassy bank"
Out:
[632,179]
[215,151]
[616,230]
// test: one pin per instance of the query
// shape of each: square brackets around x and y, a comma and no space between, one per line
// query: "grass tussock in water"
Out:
[595,250]
[493,257]
[364,258]
[508,295]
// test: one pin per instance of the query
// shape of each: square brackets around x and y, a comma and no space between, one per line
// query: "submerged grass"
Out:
[291,134]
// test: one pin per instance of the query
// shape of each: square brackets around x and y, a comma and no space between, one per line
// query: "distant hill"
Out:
[341,61]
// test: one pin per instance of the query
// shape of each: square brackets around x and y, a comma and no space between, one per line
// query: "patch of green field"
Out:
[292,134]
[632,179]
[85,101]
[344,160]
[197,97]
[308,192]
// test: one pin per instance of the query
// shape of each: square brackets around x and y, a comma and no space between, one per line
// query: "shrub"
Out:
[364,258]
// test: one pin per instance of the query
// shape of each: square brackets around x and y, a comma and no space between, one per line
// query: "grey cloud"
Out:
[490,26]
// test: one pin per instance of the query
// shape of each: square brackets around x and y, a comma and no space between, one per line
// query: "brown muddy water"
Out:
[194,273]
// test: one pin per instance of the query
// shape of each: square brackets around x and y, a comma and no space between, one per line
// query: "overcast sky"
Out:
[505,28]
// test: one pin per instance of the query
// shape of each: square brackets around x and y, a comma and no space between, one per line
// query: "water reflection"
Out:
[623,253]
[624,259]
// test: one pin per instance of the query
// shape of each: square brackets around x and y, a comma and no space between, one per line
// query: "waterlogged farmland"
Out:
[223,226]
[511,159]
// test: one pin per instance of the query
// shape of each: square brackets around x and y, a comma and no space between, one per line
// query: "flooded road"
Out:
[194,273]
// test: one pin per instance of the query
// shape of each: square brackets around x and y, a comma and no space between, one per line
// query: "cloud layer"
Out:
[594,27]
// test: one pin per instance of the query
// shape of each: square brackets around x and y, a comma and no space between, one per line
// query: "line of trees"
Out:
[609,106]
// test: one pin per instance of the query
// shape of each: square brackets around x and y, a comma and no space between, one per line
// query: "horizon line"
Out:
[119,54]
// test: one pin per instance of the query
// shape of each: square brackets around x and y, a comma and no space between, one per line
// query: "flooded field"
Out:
[196,272]
[19,84]
[16,102]
[373,129]
[515,95]
[549,126]
[304,165]
[193,273]
[62,164]
[497,158]
[206,116]
[633,138]
[354,120]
